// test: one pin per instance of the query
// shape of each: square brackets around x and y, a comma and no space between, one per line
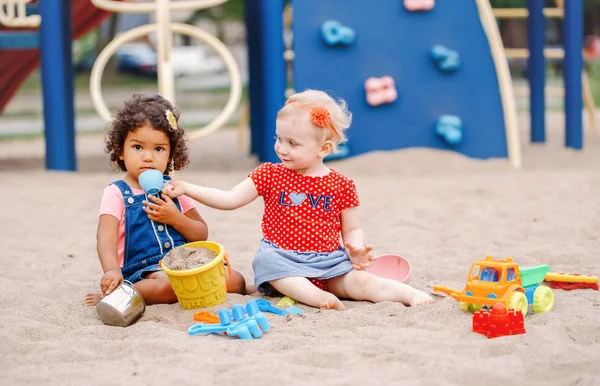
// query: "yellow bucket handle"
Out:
[228,269]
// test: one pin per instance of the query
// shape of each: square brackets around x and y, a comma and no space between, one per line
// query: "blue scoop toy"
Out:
[265,306]
[235,322]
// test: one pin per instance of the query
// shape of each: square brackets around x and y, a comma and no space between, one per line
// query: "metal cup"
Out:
[122,307]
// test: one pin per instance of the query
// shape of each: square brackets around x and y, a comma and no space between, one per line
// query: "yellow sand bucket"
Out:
[204,286]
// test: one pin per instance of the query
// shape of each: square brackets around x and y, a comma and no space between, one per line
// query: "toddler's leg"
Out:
[155,288]
[362,285]
[304,291]
[237,283]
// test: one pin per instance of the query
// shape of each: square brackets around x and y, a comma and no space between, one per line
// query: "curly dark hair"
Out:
[141,110]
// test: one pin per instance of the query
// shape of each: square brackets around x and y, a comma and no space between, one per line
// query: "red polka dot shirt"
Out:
[303,213]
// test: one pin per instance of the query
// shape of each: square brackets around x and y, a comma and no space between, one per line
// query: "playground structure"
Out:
[466,106]
[22,51]
[537,53]
[451,86]
[55,36]
[163,28]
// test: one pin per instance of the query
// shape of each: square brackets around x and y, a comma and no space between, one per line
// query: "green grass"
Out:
[25,136]
[116,82]
[82,81]
[554,77]
[593,69]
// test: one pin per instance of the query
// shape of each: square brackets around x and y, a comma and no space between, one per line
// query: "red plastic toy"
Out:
[571,281]
[498,322]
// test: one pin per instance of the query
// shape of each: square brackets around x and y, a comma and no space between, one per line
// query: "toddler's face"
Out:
[145,148]
[296,144]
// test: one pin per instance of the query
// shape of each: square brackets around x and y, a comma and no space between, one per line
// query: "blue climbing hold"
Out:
[445,59]
[450,128]
[334,32]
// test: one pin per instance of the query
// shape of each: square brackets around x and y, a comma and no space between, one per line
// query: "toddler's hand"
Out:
[110,280]
[163,211]
[174,188]
[360,257]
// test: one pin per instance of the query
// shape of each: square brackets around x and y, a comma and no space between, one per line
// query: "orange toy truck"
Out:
[503,281]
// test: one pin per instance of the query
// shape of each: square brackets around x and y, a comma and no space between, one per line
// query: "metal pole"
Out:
[166,84]
[57,84]
[255,80]
[536,68]
[268,73]
[573,64]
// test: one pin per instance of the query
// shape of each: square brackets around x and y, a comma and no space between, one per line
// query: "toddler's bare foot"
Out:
[92,298]
[332,303]
[418,298]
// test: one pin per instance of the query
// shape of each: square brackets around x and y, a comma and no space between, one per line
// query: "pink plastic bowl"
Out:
[391,267]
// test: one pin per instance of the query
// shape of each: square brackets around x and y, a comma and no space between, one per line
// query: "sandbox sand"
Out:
[438,209]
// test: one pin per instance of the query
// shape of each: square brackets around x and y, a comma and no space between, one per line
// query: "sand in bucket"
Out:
[197,274]
[183,258]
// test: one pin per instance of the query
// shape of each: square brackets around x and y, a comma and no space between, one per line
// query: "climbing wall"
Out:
[411,78]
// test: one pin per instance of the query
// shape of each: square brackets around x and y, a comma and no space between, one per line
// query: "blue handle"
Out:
[200,328]
[265,306]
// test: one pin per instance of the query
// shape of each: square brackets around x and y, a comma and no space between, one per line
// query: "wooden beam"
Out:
[522,13]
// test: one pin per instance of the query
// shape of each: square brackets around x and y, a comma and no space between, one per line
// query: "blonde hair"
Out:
[338,109]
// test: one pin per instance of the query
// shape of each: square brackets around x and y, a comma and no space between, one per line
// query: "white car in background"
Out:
[141,58]
[195,61]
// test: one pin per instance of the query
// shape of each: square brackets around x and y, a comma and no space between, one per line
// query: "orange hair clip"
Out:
[319,116]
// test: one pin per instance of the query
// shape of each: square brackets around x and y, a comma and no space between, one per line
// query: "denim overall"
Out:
[146,241]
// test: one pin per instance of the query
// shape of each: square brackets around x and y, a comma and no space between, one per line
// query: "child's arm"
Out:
[238,196]
[191,225]
[354,239]
[106,239]
[194,228]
